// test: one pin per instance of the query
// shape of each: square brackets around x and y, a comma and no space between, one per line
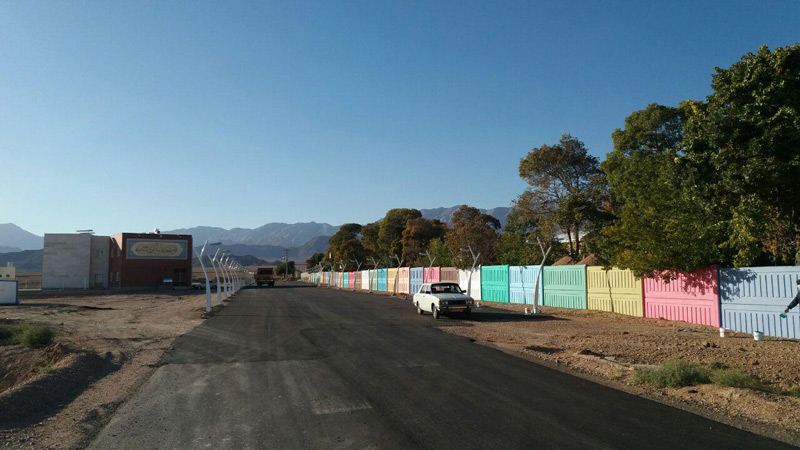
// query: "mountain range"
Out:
[14,239]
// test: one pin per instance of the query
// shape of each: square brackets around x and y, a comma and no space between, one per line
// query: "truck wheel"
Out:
[436,313]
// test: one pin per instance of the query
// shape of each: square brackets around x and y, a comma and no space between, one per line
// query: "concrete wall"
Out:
[66,261]
[99,262]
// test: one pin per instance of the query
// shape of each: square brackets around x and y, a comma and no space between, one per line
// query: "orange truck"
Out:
[265,275]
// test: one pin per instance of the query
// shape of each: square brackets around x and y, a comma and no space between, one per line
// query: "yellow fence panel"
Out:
[614,290]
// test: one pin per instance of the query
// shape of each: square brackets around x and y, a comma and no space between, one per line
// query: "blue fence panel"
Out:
[522,284]
[415,275]
[382,279]
[752,299]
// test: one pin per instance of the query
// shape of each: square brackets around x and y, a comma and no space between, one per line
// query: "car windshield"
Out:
[446,288]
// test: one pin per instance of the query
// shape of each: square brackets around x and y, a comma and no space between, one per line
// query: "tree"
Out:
[444,256]
[745,140]
[315,260]
[390,234]
[472,228]
[345,245]
[658,223]
[417,236]
[567,188]
[280,269]
[522,225]
[369,238]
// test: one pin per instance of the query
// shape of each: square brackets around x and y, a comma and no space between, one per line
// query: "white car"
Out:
[442,298]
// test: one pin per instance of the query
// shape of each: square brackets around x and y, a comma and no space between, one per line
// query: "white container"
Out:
[758,335]
[721,332]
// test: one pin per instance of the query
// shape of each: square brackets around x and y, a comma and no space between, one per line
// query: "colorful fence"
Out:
[494,283]
[471,286]
[565,286]
[402,280]
[365,280]
[391,278]
[431,274]
[415,279]
[614,290]
[522,284]
[687,297]
[448,274]
[745,299]
[373,280]
[752,299]
[382,278]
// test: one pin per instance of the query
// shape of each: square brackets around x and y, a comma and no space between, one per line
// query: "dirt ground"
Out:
[610,346]
[105,346]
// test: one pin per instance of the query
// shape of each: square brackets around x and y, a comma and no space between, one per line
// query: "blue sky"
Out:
[127,116]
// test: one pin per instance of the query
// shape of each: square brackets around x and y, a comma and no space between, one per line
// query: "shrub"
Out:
[8,336]
[674,373]
[738,378]
[36,336]
[793,392]
[47,369]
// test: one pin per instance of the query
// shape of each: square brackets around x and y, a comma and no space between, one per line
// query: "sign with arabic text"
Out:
[156,249]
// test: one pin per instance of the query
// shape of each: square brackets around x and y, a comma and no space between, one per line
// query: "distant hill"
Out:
[24,261]
[4,249]
[246,260]
[446,214]
[16,238]
[275,234]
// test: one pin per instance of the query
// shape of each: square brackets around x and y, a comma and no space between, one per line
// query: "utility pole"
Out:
[474,262]
[285,263]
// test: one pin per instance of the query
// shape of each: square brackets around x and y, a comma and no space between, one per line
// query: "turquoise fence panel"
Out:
[494,283]
[383,275]
[565,286]
[346,280]
[415,275]
[522,284]
[752,299]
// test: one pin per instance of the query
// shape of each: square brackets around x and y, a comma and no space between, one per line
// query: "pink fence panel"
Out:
[431,274]
[687,297]
[351,280]
[448,274]
[402,280]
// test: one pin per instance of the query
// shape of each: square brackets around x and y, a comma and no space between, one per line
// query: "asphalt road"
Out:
[301,367]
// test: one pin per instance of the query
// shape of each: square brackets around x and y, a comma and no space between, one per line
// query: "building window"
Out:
[99,253]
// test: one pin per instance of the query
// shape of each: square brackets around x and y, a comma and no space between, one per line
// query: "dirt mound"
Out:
[21,364]
[44,396]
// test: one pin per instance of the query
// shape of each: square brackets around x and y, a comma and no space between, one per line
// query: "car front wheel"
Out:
[436,313]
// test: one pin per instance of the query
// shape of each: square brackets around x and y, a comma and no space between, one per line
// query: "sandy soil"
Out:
[609,346]
[105,347]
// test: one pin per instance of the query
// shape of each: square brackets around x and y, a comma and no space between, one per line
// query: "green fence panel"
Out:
[565,286]
[494,283]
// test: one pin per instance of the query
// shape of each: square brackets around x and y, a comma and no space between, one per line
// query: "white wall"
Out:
[67,261]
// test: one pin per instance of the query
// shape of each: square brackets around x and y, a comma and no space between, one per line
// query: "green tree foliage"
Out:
[417,236]
[444,256]
[280,269]
[346,246]
[315,259]
[390,233]
[658,225]
[567,189]
[745,140]
[522,225]
[472,228]
[369,238]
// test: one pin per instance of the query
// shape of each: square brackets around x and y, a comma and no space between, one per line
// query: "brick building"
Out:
[148,259]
